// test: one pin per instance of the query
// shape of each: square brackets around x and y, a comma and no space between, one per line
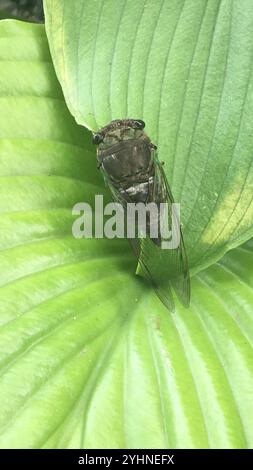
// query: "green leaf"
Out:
[185,67]
[89,357]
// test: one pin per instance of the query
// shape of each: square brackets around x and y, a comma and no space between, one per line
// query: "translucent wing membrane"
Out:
[170,264]
[168,267]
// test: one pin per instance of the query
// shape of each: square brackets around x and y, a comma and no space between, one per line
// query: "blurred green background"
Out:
[30,10]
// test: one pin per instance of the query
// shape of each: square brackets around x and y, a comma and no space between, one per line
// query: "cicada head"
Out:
[117,131]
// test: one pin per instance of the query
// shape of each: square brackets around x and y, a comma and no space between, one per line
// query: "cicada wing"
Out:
[170,265]
[145,251]
[142,247]
[164,268]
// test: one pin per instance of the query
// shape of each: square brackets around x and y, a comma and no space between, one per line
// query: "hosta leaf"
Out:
[89,357]
[185,67]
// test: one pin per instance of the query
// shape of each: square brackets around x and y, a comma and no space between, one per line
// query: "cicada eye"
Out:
[97,138]
[139,124]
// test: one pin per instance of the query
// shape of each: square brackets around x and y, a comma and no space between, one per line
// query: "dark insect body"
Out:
[130,166]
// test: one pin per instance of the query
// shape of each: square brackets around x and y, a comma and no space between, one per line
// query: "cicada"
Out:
[131,168]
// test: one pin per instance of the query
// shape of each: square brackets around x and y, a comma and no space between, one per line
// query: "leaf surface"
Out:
[89,357]
[185,67]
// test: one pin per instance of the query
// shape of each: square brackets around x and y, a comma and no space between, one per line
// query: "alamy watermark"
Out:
[157,221]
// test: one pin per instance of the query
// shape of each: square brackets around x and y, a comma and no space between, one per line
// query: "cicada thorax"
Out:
[129,166]
[125,154]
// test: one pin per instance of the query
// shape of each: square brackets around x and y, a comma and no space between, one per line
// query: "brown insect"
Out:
[131,168]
